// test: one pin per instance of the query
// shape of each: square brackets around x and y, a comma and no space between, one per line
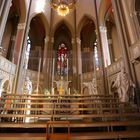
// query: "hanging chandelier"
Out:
[63,7]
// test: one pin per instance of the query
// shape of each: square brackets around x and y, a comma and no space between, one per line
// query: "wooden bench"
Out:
[50,127]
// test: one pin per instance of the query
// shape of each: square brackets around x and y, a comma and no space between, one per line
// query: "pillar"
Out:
[2,2]
[4,17]
[79,63]
[46,62]
[111,51]
[122,35]
[50,56]
[130,24]
[106,55]
[78,41]
[75,80]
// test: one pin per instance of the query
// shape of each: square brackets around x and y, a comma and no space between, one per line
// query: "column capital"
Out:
[96,32]
[21,26]
[46,39]
[72,40]
[78,40]
[103,28]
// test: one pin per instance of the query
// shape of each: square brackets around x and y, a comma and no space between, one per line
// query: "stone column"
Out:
[110,45]
[130,23]
[106,55]
[2,2]
[19,42]
[46,62]
[79,63]
[21,64]
[4,17]
[122,35]
[78,41]
[74,65]
[12,44]
[50,56]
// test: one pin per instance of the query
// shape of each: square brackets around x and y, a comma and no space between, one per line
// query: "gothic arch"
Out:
[44,20]
[82,22]
[16,15]
[87,35]
[65,23]
[66,35]
[36,36]
[103,9]
[62,48]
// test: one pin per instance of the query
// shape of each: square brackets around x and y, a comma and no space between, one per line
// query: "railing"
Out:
[99,112]
[68,107]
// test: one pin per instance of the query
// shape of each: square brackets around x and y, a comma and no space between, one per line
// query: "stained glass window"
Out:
[27,52]
[62,56]
[96,57]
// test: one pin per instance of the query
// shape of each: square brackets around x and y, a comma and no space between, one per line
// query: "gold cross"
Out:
[61,90]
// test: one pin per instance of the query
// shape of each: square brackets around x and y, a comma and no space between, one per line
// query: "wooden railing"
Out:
[103,112]
[65,107]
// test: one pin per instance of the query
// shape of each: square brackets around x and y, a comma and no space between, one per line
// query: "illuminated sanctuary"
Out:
[71,64]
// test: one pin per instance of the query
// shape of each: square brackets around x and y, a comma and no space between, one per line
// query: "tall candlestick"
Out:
[81,84]
[53,75]
[10,80]
[69,91]
[67,70]
[38,75]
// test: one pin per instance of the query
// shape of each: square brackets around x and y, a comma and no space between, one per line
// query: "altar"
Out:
[62,86]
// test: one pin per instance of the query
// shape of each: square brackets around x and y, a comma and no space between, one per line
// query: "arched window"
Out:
[96,58]
[62,60]
[27,52]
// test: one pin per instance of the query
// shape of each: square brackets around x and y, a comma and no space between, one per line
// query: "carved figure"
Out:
[124,86]
[92,86]
[27,89]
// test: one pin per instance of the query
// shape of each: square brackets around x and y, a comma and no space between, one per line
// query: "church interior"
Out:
[69,69]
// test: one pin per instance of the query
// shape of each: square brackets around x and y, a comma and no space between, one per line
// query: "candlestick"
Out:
[38,75]
[53,75]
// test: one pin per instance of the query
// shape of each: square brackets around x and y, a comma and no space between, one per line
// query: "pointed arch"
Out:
[67,25]
[62,34]
[44,20]
[62,47]
[83,21]
[86,33]
[103,9]
[37,34]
